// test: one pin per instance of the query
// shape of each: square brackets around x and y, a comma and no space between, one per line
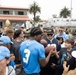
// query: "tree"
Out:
[37,18]
[34,9]
[65,12]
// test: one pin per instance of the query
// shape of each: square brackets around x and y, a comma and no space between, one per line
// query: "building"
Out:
[62,22]
[16,16]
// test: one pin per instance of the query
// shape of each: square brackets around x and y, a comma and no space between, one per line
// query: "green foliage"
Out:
[34,8]
[37,19]
[65,12]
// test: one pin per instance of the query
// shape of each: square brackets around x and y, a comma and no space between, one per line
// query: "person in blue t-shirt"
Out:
[62,33]
[33,53]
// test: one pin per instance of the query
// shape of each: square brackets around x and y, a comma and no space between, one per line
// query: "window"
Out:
[20,13]
[5,12]
[0,24]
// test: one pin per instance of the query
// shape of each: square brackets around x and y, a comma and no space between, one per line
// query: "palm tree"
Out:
[34,8]
[65,12]
[37,18]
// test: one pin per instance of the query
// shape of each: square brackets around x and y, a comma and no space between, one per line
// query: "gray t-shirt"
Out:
[16,52]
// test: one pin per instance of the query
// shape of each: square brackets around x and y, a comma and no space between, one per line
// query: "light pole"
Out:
[70,13]
[71,10]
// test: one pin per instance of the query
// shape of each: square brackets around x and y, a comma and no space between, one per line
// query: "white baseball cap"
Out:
[74,54]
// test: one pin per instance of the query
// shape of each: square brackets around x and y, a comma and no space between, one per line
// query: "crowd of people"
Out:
[22,53]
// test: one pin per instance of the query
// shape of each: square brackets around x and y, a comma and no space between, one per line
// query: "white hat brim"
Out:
[74,54]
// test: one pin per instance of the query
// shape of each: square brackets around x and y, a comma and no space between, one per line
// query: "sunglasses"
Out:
[49,34]
[60,30]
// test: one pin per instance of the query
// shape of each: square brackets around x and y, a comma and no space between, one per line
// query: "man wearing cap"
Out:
[6,41]
[50,37]
[4,61]
[51,40]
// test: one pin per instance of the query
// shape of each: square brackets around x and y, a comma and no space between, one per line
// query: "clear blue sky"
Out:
[48,7]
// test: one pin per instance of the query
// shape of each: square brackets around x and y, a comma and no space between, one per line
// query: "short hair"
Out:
[35,31]
[71,41]
[62,27]
[59,37]
[17,33]
[9,31]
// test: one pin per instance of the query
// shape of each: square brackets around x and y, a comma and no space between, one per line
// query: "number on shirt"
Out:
[27,55]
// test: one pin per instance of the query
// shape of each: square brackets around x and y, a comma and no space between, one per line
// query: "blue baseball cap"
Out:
[4,52]
[5,40]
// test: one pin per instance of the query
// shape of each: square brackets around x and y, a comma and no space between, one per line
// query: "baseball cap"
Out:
[5,40]
[74,54]
[4,52]
[51,31]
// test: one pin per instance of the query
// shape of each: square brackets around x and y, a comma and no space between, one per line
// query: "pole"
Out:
[71,9]
[70,12]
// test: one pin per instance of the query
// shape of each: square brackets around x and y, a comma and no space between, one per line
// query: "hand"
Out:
[12,56]
[53,65]
[57,54]
[66,68]
[54,52]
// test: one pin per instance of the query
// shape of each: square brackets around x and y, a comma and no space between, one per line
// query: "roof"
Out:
[14,18]
[13,8]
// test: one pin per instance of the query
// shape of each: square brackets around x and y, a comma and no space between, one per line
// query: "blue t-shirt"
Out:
[12,63]
[64,35]
[31,51]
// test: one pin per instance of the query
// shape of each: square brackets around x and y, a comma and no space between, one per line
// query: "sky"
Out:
[48,7]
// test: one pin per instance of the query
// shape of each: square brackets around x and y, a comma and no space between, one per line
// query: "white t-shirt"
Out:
[10,69]
[6,71]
